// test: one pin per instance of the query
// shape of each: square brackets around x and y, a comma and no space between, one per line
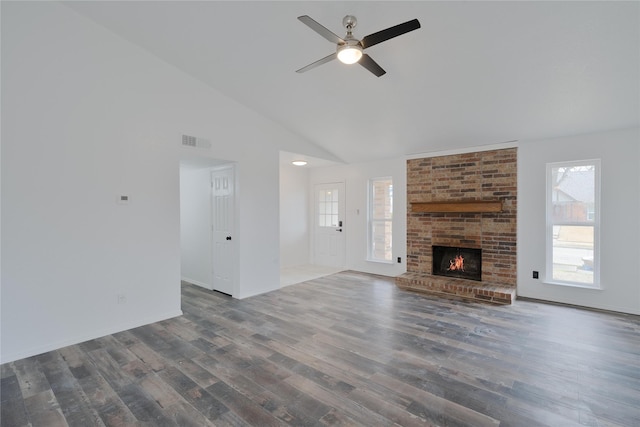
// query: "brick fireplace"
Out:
[468,201]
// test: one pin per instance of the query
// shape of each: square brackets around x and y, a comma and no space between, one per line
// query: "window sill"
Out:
[572,285]
[379,261]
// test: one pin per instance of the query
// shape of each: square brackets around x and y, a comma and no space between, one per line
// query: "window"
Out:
[380,219]
[328,208]
[573,217]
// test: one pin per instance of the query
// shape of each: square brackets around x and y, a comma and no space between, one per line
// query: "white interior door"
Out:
[222,215]
[329,226]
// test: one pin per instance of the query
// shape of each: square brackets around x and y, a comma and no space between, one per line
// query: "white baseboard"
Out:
[6,358]
[197,282]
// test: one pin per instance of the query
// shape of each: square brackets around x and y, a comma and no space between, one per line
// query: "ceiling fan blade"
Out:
[318,62]
[367,62]
[318,28]
[389,33]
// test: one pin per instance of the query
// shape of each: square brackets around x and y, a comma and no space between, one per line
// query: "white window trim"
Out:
[370,220]
[548,277]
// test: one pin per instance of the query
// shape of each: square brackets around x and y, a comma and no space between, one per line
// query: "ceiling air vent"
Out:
[192,141]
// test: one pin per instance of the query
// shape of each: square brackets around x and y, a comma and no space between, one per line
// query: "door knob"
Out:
[228,237]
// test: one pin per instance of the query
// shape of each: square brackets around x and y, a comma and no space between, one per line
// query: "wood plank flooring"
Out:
[346,349]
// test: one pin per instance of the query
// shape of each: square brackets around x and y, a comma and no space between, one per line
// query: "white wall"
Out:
[88,117]
[619,152]
[356,177]
[294,216]
[195,226]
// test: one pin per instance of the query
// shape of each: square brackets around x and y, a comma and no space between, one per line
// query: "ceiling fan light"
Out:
[349,54]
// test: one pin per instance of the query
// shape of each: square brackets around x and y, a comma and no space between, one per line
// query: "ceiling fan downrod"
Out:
[349,22]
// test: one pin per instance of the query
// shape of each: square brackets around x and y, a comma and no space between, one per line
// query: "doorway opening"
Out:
[297,217]
[207,202]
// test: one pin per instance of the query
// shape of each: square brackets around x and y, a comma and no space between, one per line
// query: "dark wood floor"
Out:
[348,349]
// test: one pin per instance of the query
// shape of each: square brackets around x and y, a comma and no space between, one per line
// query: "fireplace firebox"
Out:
[451,261]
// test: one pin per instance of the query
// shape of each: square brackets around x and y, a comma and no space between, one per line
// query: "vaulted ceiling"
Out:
[476,73]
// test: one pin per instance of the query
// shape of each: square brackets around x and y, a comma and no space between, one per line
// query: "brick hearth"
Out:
[481,176]
[457,287]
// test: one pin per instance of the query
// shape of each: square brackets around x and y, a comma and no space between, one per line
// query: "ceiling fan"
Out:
[349,49]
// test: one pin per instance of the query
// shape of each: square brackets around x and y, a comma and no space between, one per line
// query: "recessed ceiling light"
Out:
[299,162]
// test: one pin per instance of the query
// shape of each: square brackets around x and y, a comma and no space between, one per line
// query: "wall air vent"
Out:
[189,141]
[192,141]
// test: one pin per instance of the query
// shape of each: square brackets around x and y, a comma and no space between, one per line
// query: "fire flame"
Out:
[456,264]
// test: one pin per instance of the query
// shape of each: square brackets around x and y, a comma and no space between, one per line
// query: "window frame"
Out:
[595,213]
[371,220]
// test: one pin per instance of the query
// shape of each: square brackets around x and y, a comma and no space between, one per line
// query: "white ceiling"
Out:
[476,73]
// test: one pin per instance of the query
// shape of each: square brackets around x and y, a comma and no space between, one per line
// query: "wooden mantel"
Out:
[466,206]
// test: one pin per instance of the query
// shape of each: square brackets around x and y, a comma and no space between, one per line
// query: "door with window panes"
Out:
[329,236]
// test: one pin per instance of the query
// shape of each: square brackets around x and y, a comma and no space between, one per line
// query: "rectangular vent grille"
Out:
[188,140]
[194,141]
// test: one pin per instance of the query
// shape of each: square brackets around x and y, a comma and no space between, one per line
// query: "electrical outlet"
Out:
[535,274]
[399,260]
[121,298]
